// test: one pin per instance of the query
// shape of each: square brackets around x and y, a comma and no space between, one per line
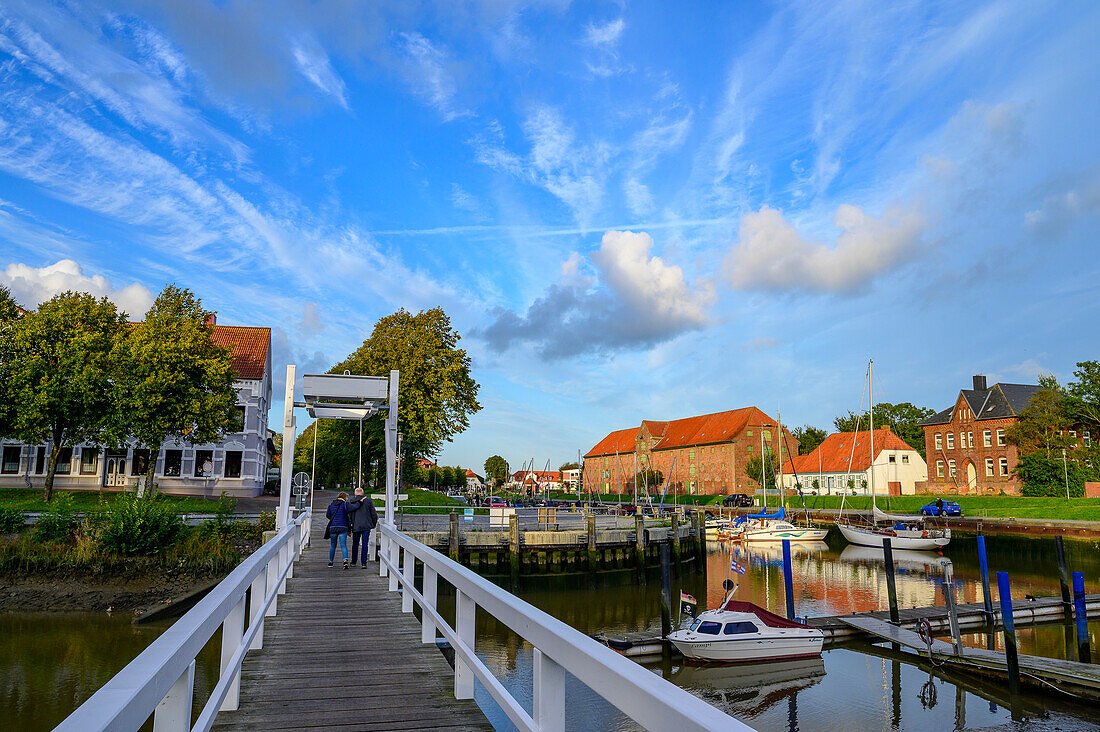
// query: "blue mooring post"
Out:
[1084,654]
[984,565]
[788,581]
[1010,634]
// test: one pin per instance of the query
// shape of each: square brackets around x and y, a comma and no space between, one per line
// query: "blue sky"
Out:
[629,212]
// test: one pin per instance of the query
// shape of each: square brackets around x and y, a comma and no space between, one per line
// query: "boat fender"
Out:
[619,645]
[924,535]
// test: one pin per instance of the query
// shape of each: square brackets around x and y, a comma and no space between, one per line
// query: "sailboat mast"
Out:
[871,404]
[779,439]
[763,479]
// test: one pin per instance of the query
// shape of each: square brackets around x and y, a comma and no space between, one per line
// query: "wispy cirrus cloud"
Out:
[431,73]
[316,67]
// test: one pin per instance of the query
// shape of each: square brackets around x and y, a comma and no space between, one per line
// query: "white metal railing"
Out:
[161,680]
[648,699]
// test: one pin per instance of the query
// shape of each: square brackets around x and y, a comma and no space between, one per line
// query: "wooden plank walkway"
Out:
[341,654]
[1084,678]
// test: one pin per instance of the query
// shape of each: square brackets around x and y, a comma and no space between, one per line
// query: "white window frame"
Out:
[950,440]
[1000,437]
[987,438]
[989,467]
[1004,466]
[951,469]
[939,468]
[939,441]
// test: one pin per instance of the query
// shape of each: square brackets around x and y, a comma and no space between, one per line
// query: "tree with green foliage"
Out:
[1083,395]
[809,437]
[496,470]
[650,478]
[1044,425]
[171,380]
[770,467]
[9,312]
[569,466]
[57,369]
[904,419]
[437,394]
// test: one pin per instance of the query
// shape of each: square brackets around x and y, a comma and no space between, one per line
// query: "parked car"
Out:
[950,508]
[496,502]
[740,500]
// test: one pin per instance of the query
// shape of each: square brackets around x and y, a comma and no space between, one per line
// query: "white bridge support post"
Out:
[549,694]
[408,571]
[255,602]
[286,466]
[391,450]
[372,548]
[431,590]
[465,613]
[383,544]
[272,571]
[174,711]
[395,560]
[232,633]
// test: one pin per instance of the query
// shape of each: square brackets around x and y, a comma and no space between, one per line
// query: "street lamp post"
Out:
[1065,471]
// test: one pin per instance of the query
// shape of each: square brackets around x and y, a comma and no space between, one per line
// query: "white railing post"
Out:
[465,614]
[173,714]
[549,688]
[395,551]
[383,549]
[431,585]
[232,633]
[284,559]
[372,549]
[255,602]
[291,553]
[408,571]
[272,572]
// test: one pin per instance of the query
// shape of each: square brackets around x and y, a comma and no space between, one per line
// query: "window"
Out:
[939,441]
[905,458]
[691,454]
[65,461]
[173,462]
[1004,466]
[691,471]
[893,459]
[987,439]
[950,440]
[951,468]
[233,463]
[40,461]
[89,460]
[738,628]
[939,468]
[240,417]
[1000,438]
[140,464]
[989,467]
[1086,438]
[202,457]
[970,439]
[750,433]
[10,462]
[708,627]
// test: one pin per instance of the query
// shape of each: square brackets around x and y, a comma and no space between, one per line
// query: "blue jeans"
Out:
[356,537]
[341,534]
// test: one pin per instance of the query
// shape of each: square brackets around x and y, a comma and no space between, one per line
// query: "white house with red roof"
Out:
[237,464]
[474,482]
[842,464]
[535,480]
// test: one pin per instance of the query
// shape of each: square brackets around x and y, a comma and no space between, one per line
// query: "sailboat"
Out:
[775,527]
[904,531]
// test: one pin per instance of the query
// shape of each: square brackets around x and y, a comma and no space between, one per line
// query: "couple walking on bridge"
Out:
[357,517]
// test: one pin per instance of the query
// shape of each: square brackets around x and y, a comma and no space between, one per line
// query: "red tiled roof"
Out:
[539,474]
[472,474]
[834,453]
[249,348]
[617,442]
[708,428]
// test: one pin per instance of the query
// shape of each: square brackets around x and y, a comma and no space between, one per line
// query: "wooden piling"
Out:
[514,548]
[952,608]
[1063,577]
[983,566]
[666,600]
[593,557]
[1084,653]
[675,541]
[788,580]
[1010,634]
[639,547]
[891,584]
[454,543]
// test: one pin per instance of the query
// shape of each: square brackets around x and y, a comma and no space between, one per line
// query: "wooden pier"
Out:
[341,654]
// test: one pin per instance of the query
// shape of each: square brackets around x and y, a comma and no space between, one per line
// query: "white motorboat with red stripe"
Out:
[741,632]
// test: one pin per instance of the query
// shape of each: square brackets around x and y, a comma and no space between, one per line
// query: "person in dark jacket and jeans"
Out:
[338,526]
[364,517]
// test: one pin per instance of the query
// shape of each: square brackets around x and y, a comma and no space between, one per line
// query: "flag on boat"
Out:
[736,566]
[687,604]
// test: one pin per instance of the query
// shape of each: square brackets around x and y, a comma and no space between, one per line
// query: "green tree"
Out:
[437,394]
[1083,395]
[568,466]
[1044,426]
[808,437]
[770,468]
[172,382]
[650,478]
[57,368]
[904,419]
[496,470]
[9,312]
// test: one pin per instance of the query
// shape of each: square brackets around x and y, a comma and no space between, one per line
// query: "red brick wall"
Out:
[964,455]
[1092,490]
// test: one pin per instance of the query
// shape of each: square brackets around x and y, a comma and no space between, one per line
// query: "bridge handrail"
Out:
[648,699]
[160,680]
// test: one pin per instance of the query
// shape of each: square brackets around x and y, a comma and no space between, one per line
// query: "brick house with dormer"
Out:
[966,444]
[705,454]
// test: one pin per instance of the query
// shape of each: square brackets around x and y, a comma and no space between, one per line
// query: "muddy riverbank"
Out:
[133,592]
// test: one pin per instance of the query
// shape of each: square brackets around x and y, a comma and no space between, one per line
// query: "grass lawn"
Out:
[1077,509]
[24,499]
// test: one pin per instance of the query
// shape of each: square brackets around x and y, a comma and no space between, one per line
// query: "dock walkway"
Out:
[341,654]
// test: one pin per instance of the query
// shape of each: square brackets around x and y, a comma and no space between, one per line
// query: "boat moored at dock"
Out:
[741,632]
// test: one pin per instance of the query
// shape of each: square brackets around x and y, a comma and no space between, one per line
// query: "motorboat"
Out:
[774,527]
[741,632]
[716,528]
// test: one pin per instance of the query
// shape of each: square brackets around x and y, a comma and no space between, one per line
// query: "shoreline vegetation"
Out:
[124,554]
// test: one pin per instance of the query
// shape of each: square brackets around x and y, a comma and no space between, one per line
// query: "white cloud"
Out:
[1059,211]
[773,255]
[31,286]
[431,74]
[315,66]
[604,34]
[463,200]
[603,38]
[311,320]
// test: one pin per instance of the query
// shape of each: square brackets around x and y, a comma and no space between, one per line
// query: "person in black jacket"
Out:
[338,526]
[364,517]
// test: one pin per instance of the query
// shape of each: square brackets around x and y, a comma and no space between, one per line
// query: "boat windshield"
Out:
[738,628]
[695,624]
[709,627]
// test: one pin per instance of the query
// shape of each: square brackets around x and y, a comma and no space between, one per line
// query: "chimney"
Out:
[979,382]
[212,319]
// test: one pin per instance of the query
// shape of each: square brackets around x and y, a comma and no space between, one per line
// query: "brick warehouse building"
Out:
[710,452]
[966,443]
[238,462]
